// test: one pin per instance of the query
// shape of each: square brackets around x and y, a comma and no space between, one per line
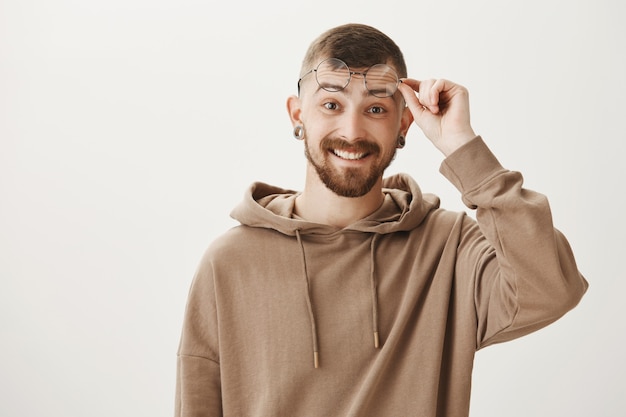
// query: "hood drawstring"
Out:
[316,359]
[374,288]
[374,291]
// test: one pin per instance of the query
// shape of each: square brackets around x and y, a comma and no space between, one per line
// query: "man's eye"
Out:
[377,110]
[330,106]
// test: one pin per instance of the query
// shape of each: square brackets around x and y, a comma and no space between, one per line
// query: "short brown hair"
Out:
[358,45]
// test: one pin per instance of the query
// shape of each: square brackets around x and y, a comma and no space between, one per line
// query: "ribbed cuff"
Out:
[470,166]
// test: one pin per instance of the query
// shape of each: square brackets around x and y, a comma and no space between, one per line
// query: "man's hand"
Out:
[441,109]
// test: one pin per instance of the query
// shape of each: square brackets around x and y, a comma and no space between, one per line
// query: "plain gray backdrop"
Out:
[130,128]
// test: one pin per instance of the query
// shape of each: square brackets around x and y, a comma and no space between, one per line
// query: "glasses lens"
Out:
[332,74]
[381,80]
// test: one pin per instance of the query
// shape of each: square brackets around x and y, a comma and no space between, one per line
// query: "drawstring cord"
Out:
[316,360]
[374,292]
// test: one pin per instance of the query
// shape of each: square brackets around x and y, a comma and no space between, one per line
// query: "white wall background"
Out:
[130,128]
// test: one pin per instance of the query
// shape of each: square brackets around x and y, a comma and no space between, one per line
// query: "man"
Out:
[360,296]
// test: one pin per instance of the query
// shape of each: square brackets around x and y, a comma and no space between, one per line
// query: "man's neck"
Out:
[318,204]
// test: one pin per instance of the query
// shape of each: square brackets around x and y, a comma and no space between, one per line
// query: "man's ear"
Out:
[294,108]
[406,121]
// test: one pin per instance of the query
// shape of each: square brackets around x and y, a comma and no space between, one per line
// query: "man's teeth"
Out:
[348,155]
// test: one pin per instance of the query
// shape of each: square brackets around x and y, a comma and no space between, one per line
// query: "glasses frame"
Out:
[350,74]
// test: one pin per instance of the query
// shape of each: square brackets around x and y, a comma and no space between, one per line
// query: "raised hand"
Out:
[441,109]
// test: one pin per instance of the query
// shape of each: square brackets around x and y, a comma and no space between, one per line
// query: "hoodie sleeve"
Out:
[198,389]
[523,270]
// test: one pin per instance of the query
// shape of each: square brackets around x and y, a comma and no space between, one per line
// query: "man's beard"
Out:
[348,182]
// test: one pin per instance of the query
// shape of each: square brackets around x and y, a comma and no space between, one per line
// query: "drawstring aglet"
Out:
[376,340]
[316,360]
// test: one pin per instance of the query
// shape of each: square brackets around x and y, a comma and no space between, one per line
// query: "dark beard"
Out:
[351,183]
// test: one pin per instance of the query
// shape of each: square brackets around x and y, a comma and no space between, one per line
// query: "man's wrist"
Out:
[451,144]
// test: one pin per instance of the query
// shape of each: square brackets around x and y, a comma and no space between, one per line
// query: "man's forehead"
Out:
[355,66]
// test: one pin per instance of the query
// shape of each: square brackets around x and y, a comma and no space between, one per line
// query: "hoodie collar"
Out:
[404,208]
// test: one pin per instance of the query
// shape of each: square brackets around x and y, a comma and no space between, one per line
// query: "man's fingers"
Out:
[428,92]
[414,84]
[409,89]
[429,95]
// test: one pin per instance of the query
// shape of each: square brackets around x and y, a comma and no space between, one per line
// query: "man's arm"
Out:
[198,392]
[523,269]
[198,387]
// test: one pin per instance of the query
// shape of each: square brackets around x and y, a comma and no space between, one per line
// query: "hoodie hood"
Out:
[403,209]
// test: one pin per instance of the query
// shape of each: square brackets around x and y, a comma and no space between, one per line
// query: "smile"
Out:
[351,156]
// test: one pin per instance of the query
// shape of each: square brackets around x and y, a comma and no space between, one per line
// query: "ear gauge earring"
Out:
[298,132]
[401,142]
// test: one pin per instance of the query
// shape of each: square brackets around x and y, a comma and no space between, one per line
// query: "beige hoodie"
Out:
[391,309]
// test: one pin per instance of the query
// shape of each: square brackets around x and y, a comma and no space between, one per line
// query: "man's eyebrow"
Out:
[320,90]
[336,88]
[366,93]
[375,92]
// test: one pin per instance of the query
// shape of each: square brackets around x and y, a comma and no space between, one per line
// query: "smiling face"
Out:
[342,168]
[350,135]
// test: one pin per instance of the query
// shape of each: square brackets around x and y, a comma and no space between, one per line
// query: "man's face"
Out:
[350,135]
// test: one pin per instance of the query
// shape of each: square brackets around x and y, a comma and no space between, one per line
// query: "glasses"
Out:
[333,75]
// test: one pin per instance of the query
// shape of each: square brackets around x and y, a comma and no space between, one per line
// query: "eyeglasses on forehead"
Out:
[333,75]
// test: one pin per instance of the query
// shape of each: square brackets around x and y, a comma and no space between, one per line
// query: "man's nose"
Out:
[352,125]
